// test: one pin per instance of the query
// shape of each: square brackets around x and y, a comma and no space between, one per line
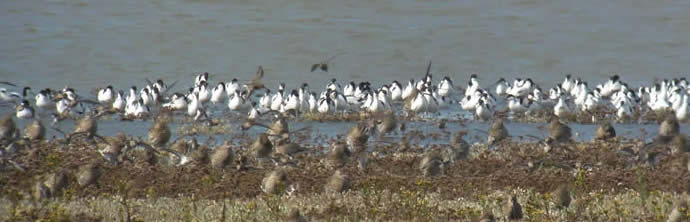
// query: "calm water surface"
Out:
[87,44]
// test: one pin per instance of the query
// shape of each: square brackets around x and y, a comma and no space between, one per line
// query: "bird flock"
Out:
[253,99]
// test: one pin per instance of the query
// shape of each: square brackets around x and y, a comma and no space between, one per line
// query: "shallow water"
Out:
[318,133]
[87,44]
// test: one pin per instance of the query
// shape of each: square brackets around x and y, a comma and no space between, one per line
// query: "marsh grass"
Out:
[595,115]
[604,187]
[363,205]
[195,129]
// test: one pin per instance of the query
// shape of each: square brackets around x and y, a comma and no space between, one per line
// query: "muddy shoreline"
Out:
[510,165]
[611,167]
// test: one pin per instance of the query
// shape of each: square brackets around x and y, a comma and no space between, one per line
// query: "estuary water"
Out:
[88,44]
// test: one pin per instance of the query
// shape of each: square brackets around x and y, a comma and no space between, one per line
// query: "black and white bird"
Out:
[44,99]
[24,110]
[445,87]
[15,97]
[218,93]
[106,95]
[177,102]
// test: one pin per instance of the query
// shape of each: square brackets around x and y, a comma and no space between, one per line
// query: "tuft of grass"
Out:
[581,181]
[52,160]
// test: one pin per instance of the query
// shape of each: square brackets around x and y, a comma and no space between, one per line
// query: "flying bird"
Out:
[323,65]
